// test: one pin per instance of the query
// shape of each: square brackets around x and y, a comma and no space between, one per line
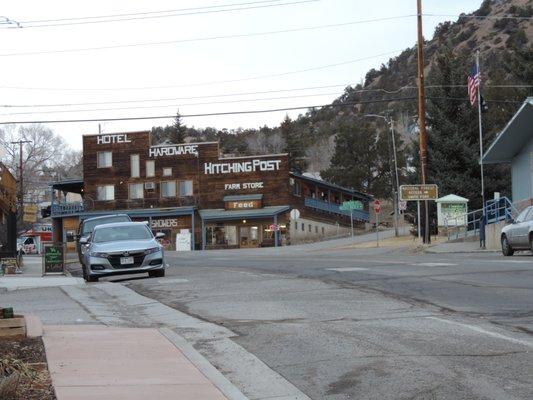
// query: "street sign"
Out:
[273,227]
[419,192]
[295,214]
[402,205]
[377,206]
[351,205]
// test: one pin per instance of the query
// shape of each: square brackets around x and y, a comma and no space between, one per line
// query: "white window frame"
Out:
[167,171]
[179,188]
[150,171]
[98,192]
[164,183]
[98,164]
[135,165]
[142,191]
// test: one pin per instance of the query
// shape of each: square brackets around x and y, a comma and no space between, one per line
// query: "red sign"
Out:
[377,206]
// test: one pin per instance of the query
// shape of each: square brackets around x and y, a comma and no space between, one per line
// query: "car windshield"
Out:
[522,216]
[89,226]
[128,232]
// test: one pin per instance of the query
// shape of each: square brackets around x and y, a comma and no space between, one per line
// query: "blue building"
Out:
[514,145]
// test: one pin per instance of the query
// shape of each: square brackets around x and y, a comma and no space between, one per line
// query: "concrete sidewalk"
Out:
[89,362]
[457,247]
[31,277]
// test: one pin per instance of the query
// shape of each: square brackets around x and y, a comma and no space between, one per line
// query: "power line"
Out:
[133,17]
[208,83]
[204,39]
[152,100]
[495,17]
[172,105]
[208,114]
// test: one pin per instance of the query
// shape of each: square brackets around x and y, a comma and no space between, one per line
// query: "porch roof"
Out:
[219,214]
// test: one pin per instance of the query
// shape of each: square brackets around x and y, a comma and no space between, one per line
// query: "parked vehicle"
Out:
[519,234]
[87,226]
[122,248]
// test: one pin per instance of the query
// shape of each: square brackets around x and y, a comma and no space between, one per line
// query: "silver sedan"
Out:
[519,234]
[122,248]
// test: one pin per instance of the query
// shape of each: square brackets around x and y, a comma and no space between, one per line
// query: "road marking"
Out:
[172,280]
[527,343]
[435,264]
[510,261]
[347,269]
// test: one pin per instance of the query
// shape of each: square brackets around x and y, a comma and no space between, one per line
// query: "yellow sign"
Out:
[419,192]
[30,209]
[29,217]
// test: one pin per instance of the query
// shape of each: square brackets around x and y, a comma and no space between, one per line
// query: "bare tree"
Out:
[320,153]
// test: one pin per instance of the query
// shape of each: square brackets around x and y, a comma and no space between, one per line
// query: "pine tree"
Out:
[179,131]
[294,145]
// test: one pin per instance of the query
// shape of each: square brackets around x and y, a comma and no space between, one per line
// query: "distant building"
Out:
[225,202]
[514,145]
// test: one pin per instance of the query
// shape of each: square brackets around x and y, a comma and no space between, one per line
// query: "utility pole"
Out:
[21,178]
[395,189]
[422,115]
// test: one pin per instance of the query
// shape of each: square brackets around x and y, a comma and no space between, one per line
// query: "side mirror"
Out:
[83,240]
[159,235]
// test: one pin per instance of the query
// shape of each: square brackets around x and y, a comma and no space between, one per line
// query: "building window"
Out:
[316,229]
[322,230]
[104,159]
[168,189]
[185,188]
[150,168]
[105,192]
[303,227]
[135,164]
[309,227]
[297,189]
[167,171]
[221,235]
[136,191]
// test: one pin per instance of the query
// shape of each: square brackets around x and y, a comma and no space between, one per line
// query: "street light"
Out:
[395,191]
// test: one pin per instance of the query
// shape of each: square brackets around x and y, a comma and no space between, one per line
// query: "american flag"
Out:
[473,84]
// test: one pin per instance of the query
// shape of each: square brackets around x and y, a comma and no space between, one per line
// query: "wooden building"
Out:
[179,189]
[8,212]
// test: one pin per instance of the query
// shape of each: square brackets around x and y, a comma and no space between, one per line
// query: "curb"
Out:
[34,327]
[227,388]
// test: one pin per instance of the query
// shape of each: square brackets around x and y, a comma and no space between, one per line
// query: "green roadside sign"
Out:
[351,205]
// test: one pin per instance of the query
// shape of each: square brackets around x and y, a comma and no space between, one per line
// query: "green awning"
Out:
[243,197]
[219,214]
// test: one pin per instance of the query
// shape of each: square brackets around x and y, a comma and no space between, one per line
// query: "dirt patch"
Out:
[23,370]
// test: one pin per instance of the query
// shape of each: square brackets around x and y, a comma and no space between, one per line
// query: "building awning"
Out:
[69,185]
[512,139]
[219,214]
[243,197]
[143,213]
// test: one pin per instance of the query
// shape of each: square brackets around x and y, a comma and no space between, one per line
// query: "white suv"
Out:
[519,234]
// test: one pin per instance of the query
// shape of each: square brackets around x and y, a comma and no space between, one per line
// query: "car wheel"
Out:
[531,242]
[160,273]
[507,250]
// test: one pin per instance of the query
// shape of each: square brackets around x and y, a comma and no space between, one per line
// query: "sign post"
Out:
[377,210]
[351,205]
[54,259]
[419,193]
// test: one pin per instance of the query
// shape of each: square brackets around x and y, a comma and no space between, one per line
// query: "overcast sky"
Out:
[188,72]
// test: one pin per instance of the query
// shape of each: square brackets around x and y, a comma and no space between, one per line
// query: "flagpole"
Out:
[480,135]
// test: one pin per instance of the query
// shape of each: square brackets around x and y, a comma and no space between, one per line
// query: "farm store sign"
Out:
[174,150]
[243,205]
[241,167]
[243,186]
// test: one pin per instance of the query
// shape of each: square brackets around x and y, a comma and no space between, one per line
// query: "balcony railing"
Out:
[358,215]
[62,209]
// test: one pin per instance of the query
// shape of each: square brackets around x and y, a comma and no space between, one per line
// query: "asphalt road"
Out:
[368,323]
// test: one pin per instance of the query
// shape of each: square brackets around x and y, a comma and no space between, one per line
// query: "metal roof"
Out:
[452,198]
[220,214]
[512,139]
[243,197]
[333,186]
[140,213]
[68,185]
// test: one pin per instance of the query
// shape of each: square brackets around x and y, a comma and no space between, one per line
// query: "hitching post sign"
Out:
[54,259]
[419,192]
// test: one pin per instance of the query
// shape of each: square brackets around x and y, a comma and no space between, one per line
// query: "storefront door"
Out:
[249,236]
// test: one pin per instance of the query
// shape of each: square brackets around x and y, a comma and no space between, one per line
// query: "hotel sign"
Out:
[241,167]
[112,139]
[173,150]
